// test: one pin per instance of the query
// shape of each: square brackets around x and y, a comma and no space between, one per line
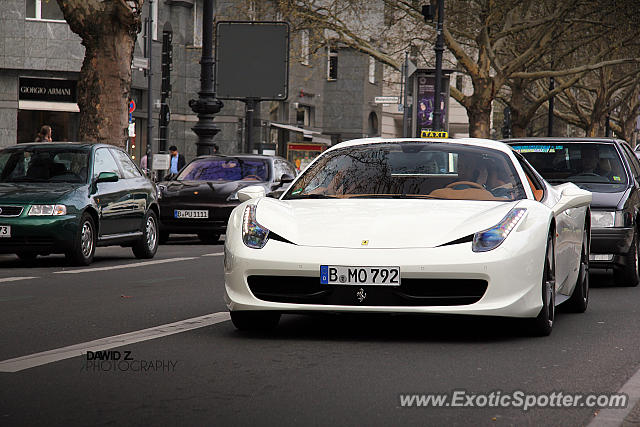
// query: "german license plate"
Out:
[190,214]
[343,275]
[5,231]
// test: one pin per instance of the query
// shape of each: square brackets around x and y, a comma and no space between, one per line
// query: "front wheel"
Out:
[84,245]
[629,274]
[147,246]
[580,296]
[543,324]
[255,320]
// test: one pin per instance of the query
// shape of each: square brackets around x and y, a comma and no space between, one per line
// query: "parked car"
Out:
[410,226]
[609,169]
[71,197]
[201,197]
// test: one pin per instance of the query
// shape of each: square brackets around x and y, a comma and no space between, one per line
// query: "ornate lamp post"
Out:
[207,104]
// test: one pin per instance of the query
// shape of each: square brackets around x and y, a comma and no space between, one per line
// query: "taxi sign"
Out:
[434,134]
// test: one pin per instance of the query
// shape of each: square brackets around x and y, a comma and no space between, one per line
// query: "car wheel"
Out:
[580,296]
[209,237]
[84,246]
[163,237]
[255,320]
[147,246]
[628,275]
[27,256]
[543,324]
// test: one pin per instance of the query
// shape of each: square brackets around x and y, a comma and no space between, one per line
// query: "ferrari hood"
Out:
[382,223]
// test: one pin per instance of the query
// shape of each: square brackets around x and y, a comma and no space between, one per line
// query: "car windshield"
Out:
[225,169]
[411,170]
[44,164]
[581,163]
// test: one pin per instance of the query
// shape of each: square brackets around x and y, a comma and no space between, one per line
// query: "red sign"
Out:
[132,106]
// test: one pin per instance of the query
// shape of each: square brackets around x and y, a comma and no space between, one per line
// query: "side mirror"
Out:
[107,177]
[572,197]
[251,192]
[286,178]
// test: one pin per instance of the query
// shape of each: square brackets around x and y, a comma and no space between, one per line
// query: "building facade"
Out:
[330,98]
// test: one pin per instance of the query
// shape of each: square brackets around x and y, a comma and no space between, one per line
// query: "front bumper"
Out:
[41,234]
[513,275]
[613,241]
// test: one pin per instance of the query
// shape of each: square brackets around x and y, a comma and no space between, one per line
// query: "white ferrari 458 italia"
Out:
[457,226]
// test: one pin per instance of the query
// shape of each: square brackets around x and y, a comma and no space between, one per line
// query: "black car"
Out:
[71,197]
[609,169]
[201,197]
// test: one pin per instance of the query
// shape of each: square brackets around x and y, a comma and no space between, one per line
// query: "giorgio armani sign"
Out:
[52,90]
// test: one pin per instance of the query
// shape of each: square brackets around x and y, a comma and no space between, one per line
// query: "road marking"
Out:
[214,254]
[14,279]
[116,267]
[45,357]
[611,417]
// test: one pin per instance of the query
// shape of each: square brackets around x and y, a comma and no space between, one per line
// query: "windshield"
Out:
[225,169]
[43,164]
[411,170]
[588,163]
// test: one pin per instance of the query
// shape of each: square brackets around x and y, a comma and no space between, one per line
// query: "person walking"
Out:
[45,134]
[177,161]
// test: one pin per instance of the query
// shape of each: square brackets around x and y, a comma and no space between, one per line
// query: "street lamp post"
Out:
[207,104]
[437,112]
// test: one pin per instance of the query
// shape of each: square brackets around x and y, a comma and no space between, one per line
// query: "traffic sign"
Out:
[387,100]
[132,106]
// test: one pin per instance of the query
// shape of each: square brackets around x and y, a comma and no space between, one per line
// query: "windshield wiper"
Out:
[311,196]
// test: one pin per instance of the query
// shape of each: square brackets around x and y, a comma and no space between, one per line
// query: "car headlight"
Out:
[233,196]
[159,190]
[607,219]
[48,210]
[493,237]
[253,234]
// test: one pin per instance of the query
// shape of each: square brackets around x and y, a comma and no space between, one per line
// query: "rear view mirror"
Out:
[572,197]
[286,178]
[107,177]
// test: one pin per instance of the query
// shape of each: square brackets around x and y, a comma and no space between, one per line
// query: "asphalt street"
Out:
[324,370]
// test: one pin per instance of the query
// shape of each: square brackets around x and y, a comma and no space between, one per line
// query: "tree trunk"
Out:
[103,89]
[479,121]
[108,30]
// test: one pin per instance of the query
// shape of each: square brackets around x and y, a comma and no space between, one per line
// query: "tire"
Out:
[580,297]
[628,275]
[163,237]
[84,246]
[27,256]
[255,320]
[542,325]
[147,246]
[209,237]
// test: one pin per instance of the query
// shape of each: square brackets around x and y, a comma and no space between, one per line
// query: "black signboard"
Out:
[52,90]
[252,60]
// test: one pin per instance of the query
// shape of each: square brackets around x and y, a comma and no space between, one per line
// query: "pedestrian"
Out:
[215,148]
[143,162]
[177,161]
[45,134]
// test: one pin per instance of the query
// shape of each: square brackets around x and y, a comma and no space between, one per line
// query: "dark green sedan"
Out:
[71,197]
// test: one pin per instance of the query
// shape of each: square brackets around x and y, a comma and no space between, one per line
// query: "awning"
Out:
[70,107]
[321,139]
[308,133]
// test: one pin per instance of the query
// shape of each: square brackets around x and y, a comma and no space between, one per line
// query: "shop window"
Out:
[303,116]
[44,9]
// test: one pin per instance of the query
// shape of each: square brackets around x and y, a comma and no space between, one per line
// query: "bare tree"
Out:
[108,30]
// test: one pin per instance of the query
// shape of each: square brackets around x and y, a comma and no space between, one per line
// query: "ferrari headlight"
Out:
[47,210]
[253,234]
[493,237]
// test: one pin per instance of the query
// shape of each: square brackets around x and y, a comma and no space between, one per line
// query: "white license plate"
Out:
[182,213]
[344,275]
[5,231]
